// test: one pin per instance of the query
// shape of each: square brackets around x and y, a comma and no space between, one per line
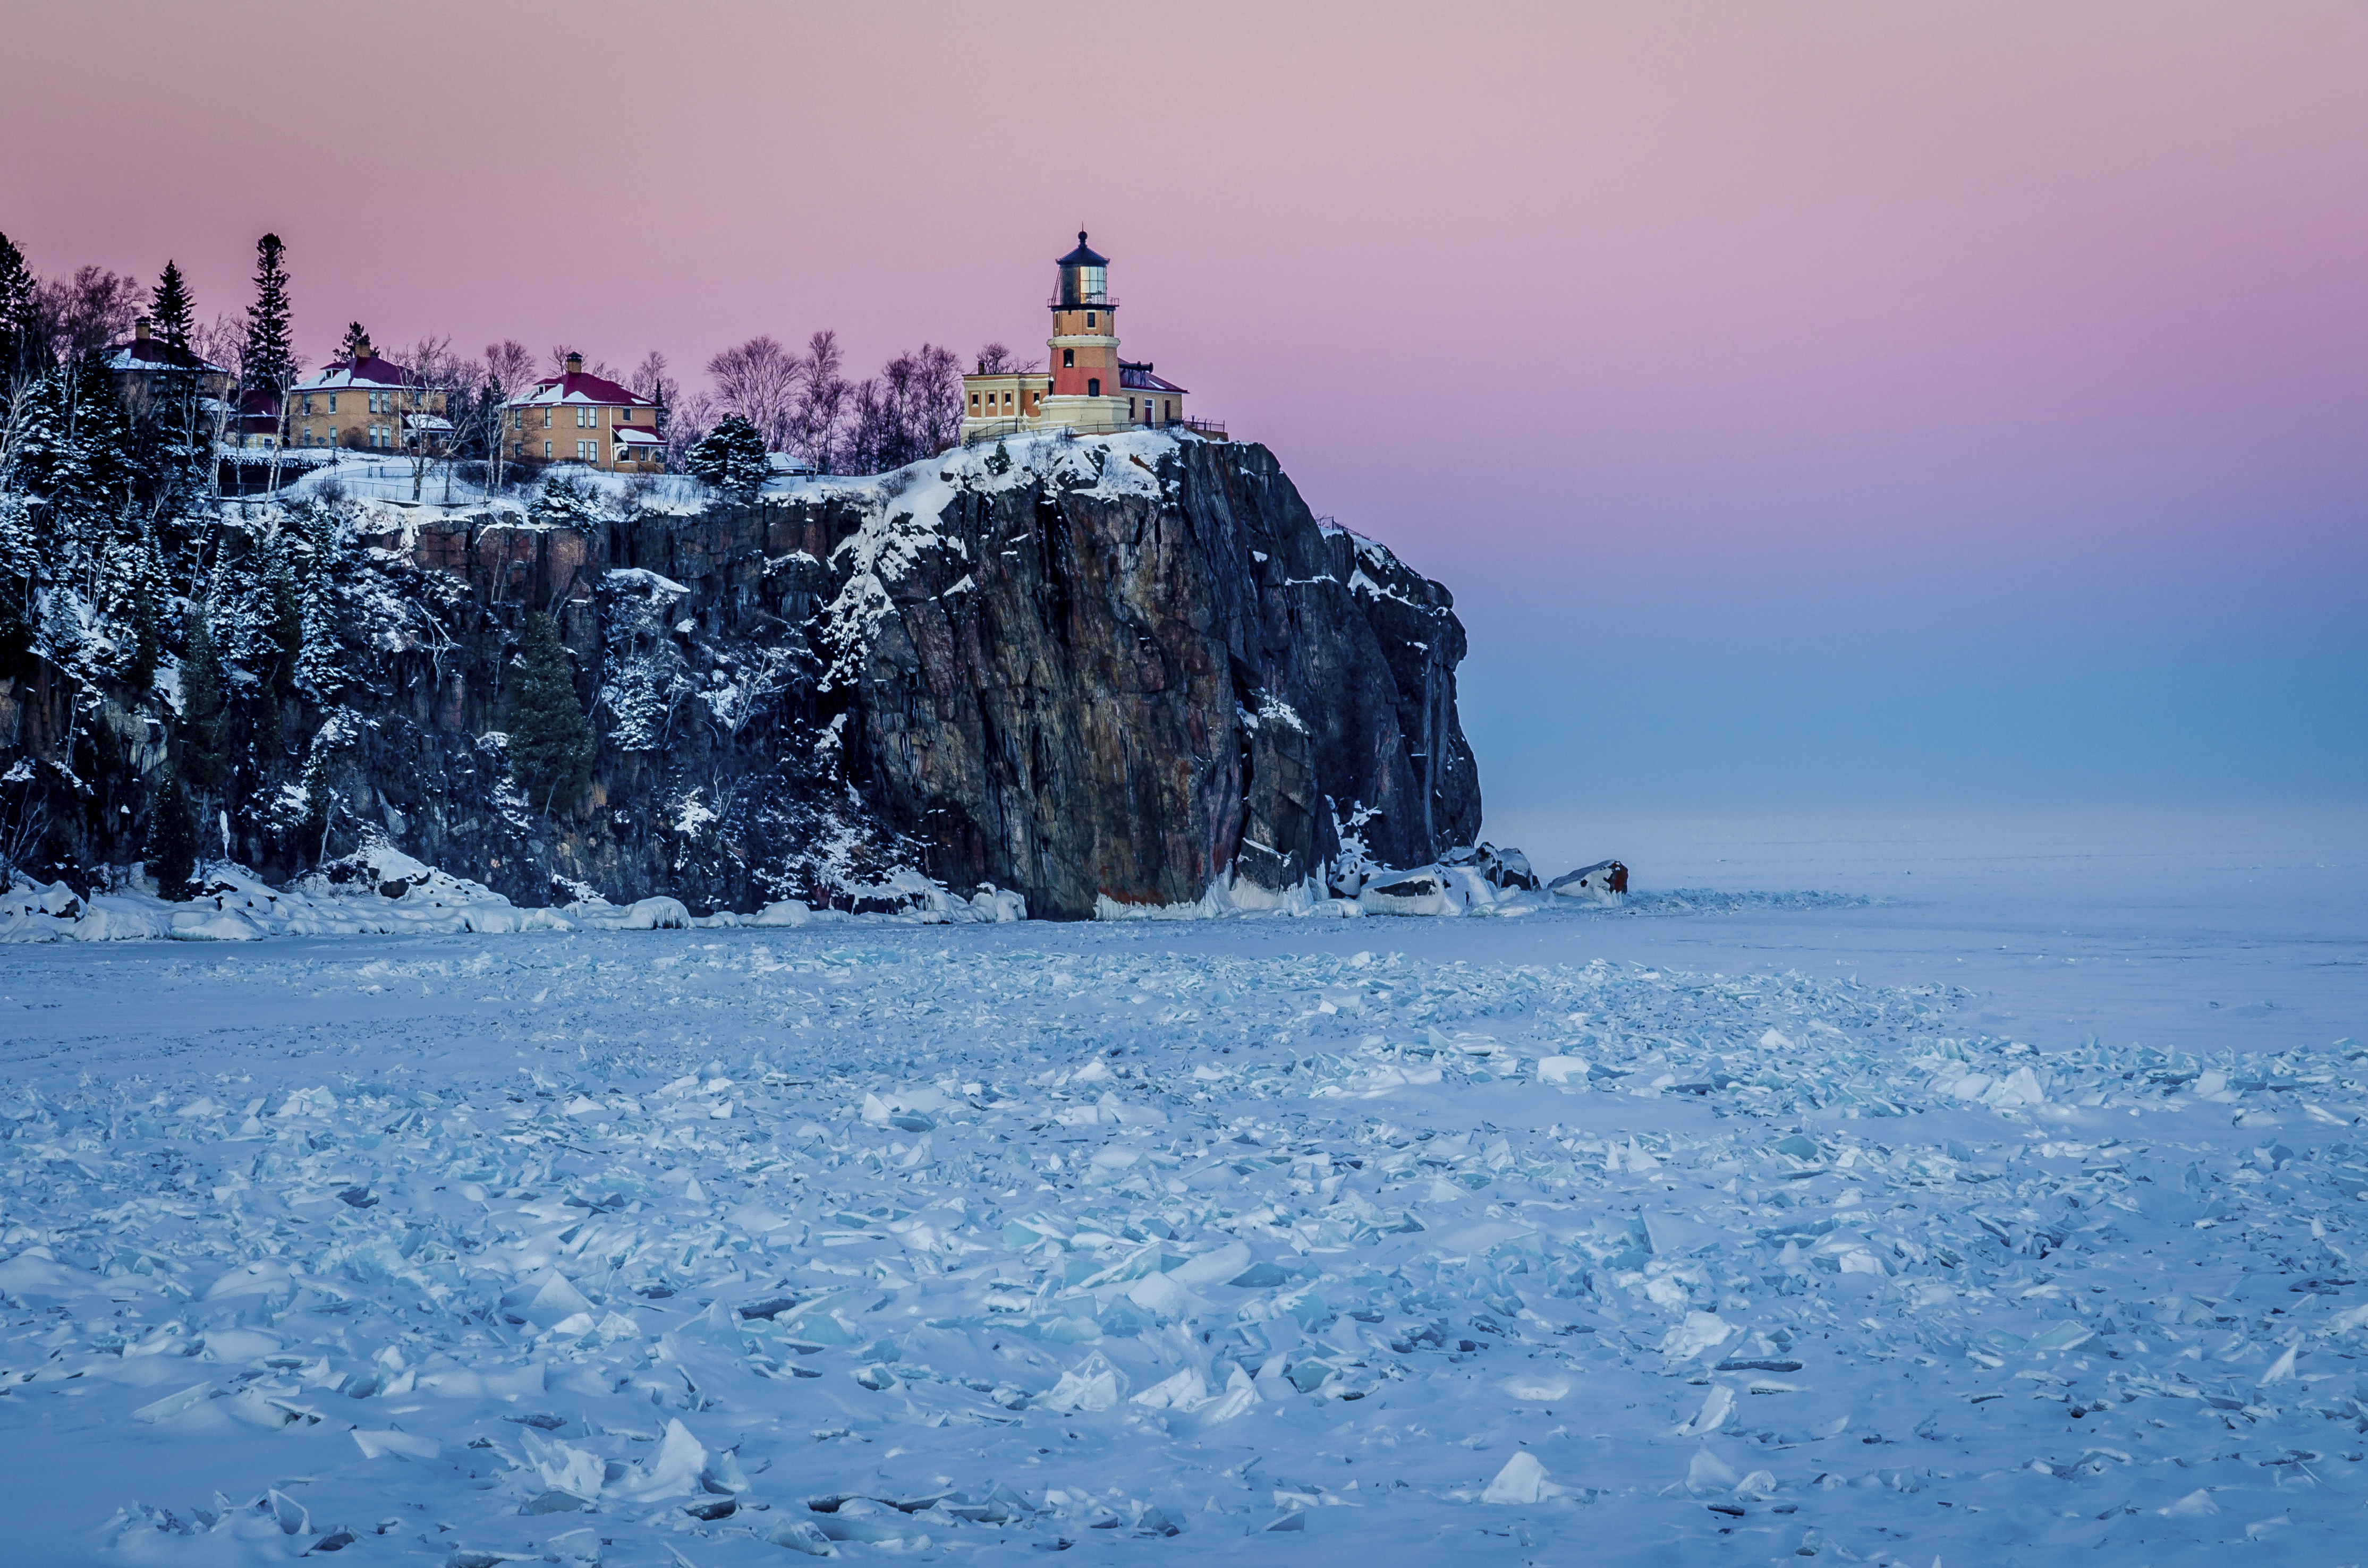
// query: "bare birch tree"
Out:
[430,378]
[757,380]
[509,370]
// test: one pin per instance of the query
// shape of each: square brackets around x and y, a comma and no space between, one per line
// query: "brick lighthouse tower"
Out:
[1086,372]
[1088,388]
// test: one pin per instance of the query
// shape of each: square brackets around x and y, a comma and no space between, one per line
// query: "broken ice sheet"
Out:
[1148,1240]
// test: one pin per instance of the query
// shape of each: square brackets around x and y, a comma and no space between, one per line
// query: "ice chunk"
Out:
[1212,1268]
[799,1535]
[1708,1472]
[548,1301]
[1673,1236]
[2194,1506]
[1699,1331]
[1716,1406]
[564,1468]
[1523,1480]
[672,1471]
[174,1404]
[290,1514]
[1536,1388]
[1562,1070]
[1092,1384]
[1756,1487]
[1185,1391]
[403,1445]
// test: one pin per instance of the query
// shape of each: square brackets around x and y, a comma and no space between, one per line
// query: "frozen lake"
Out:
[1980,1189]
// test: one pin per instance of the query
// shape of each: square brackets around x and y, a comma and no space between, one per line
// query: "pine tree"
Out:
[731,457]
[42,441]
[320,662]
[283,617]
[350,348]
[102,430]
[16,347]
[269,360]
[171,841]
[550,739]
[204,756]
[21,572]
[131,600]
[561,505]
[320,800]
[170,310]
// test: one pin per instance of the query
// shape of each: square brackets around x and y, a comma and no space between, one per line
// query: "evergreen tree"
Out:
[320,662]
[731,457]
[550,739]
[170,313]
[283,617]
[319,800]
[18,357]
[269,360]
[561,505]
[204,756]
[44,442]
[103,431]
[171,841]
[131,599]
[21,572]
[349,348]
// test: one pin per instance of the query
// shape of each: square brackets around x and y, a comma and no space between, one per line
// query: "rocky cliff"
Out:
[1116,669]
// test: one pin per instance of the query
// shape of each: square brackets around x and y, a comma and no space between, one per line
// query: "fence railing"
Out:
[977,431]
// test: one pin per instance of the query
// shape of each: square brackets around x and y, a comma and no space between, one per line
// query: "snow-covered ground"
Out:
[2000,1201]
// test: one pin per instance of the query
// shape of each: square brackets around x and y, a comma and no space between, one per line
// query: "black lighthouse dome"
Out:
[1085,277]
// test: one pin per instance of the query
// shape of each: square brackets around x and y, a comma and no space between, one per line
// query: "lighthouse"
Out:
[1084,341]
[1086,386]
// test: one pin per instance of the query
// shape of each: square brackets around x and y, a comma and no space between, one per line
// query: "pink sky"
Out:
[1674,304]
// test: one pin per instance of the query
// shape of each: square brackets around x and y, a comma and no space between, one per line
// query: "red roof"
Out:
[581,387]
[155,354]
[367,371]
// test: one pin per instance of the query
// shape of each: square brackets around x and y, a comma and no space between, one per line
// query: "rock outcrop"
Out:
[1118,669]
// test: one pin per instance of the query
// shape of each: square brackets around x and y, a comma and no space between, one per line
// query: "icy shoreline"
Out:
[865,1237]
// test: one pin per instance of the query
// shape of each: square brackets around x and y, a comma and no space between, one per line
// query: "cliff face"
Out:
[1130,667]
[1114,668]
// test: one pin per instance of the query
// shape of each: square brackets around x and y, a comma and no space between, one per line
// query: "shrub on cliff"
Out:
[202,760]
[550,740]
[171,841]
[731,457]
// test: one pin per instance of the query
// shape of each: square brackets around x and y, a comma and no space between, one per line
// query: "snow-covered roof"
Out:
[370,372]
[578,387]
[154,354]
[434,424]
[633,436]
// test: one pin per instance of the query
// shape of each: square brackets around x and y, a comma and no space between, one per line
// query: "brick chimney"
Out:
[575,364]
[361,348]
[140,330]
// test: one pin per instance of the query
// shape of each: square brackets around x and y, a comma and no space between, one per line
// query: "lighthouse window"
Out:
[1093,386]
[1068,358]
[1089,318]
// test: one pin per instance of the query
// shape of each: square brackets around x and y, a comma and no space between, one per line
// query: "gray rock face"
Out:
[1090,669]
[1088,690]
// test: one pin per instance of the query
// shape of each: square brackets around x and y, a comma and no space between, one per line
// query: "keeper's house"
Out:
[1088,387]
[366,402]
[579,418]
